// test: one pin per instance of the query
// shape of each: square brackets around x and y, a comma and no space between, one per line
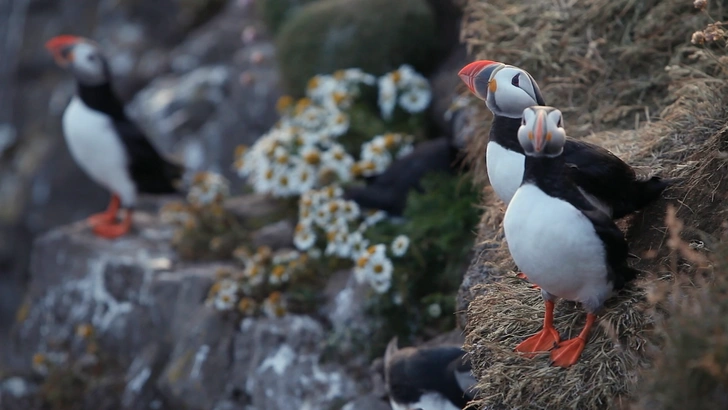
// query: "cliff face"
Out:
[126,321]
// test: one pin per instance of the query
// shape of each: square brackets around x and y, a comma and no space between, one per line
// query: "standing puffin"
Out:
[427,378]
[603,178]
[104,142]
[558,238]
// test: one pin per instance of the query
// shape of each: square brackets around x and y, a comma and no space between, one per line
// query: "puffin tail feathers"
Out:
[645,192]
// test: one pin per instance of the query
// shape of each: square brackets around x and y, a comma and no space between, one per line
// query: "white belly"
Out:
[505,170]
[97,149]
[556,246]
[428,401]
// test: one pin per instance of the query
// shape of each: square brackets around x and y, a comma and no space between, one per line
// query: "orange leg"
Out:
[568,351]
[109,215]
[111,230]
[523,276]
[544,340]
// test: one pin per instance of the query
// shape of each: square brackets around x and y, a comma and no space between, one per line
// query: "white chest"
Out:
[97,149]
[505,170]
[556,246]
[428,401]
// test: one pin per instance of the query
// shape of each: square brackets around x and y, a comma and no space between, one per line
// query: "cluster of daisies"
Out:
[337,225]
[208,191]
[258,287]
[405,88]
[302,151]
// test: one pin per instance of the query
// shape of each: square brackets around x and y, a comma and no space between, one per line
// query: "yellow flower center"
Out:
[333,207]
[339,74]
[396,76]
[339,97]
[378,268]
[278,271]
[313,83]
[268,174]
[362,262]
[390,140]
[339,155]
[283,180]
[275,297]
[39,358]
[312,157]
[240,150]
[284,103]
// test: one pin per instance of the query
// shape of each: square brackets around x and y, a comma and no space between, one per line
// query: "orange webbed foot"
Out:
[113,230]
[523,276]
[108,216]
[100,218]
[542,341]
[568,352]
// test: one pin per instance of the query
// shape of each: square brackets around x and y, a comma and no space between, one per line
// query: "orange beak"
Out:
[478,72]
[61,46]
[539,136]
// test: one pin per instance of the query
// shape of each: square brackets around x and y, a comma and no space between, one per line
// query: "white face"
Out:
[542,132]
[87,64]
[511,90]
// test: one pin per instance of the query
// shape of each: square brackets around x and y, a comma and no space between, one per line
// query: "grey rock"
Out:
[368,402]
[287,370]
[277,235]
[17,393]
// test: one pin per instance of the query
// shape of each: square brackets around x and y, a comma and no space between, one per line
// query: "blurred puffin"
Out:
[605,180]
[104,142]
[427,378]
[565,244]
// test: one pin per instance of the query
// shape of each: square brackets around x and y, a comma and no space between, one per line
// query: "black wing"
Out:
[610,179]
[151,172]
[618,272]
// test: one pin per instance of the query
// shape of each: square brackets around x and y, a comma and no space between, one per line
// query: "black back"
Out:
[556,178]
[149,170]
[419,371]
[598,171]
[388,191]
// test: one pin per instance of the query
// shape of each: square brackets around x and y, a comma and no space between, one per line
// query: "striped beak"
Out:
[476,76]
[61,47]
[539,136]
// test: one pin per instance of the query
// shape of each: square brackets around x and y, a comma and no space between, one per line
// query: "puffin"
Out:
[564,243]
[604,179]
[110,148]
[427,378]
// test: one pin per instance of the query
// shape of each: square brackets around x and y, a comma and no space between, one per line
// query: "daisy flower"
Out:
[304,237]
[387,96]
[399,246]
[415,100]
[278,275]
[254,274]
[375,217]
[247,306]
[274,305]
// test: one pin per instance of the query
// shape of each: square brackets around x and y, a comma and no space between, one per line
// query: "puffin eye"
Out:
[514,80]
[523,121]
[559,124]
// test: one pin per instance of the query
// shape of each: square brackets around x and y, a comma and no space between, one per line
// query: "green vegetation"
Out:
[440,223]
[374,35]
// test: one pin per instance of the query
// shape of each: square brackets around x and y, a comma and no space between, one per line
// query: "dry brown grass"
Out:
[603,64]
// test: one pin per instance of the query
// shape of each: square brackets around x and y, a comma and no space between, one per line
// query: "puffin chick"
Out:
[104,142]
[558,238]
[427,378]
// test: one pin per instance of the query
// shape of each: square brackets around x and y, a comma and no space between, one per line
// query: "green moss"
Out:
[440,225]
[374,35]
[276,12]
